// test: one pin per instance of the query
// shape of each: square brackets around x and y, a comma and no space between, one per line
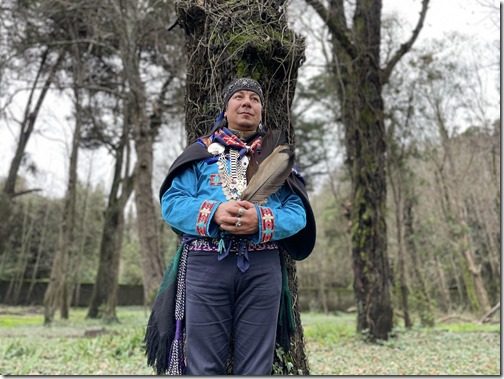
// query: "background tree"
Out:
[141,29]
[105,290]
[69,25]
[360,77]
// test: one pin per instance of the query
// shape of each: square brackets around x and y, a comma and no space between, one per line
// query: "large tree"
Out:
[360,79]
[226,40]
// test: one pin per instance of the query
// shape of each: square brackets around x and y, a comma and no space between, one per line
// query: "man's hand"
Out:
[237,217]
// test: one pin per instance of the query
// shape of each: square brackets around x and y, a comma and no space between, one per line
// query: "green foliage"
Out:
[44,214]
[283,364]
[13,320]
[131,271]
[328,329]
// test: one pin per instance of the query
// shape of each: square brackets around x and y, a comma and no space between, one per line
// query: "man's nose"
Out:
[246,102]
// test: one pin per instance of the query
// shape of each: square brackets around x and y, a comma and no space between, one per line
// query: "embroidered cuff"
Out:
[204,217]
[267,224]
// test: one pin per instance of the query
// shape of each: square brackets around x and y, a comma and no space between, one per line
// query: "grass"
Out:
[90,347]
[334,348]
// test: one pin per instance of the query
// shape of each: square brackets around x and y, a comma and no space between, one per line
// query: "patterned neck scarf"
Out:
[227,138]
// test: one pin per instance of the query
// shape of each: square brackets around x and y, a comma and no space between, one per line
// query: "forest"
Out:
[398,142]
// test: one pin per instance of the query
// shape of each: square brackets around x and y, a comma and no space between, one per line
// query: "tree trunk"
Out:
[445,292]
[56,294]
[108,270]
[75,270]
[401,263]
[365,147]
[107,279]
[226,40]
[396,174]
[40,248]
[422,297]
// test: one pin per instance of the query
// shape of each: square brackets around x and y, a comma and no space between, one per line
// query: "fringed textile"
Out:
[161,328]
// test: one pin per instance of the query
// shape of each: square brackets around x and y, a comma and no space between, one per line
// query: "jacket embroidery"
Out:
[204,216]
[268,224]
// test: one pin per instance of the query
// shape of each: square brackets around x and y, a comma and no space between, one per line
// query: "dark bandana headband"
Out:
[240,85]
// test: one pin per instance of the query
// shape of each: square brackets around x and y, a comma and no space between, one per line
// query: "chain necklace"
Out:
[234,180]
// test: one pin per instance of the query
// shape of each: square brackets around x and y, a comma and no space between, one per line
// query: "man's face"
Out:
[243,111]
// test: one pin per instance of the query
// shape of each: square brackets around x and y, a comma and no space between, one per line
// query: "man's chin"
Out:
[247,127]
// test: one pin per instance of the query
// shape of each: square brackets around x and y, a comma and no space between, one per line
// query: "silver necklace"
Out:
[234,177]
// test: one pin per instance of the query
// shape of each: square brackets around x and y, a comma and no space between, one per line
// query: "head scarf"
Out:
[242,84]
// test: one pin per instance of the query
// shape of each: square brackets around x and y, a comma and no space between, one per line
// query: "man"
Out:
[232,273]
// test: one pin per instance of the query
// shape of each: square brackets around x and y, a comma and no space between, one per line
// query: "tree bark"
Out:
[226,40]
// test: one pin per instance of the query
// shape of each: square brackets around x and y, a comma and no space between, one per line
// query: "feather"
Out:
[270,140]
[271,175]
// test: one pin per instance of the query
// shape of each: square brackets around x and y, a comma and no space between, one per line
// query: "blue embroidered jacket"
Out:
[195,193]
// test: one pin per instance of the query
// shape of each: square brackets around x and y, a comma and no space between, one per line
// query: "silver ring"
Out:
[241,212]
[238,223]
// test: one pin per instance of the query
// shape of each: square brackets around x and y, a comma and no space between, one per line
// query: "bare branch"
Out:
[405,47]
[26,192]
[334,28]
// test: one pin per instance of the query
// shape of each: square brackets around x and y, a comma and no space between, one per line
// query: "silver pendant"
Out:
[244,161]
[215,148]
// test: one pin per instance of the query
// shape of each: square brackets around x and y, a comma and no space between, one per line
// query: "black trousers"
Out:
[223,303]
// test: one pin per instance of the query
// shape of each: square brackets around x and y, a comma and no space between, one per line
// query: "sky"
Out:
[49,150]
[443,16]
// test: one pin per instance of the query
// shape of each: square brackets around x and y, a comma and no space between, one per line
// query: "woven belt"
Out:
[206,244]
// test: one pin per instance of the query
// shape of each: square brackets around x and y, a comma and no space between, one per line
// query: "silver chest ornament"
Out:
[216,148]
[234,179]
